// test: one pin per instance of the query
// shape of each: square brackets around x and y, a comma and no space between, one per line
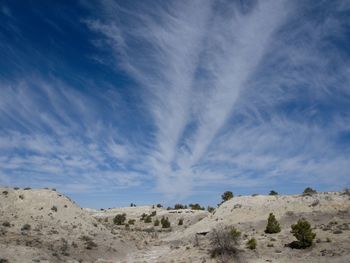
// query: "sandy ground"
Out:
[61,231]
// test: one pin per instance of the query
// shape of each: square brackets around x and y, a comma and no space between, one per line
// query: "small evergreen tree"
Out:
[308,191]
[153,213]
[272,192]
[272,225]
[303,233]
[196,207]
[156,222]
[226,196]
[210,209]
[165,222]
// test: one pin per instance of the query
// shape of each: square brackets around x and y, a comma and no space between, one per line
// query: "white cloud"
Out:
[54,134]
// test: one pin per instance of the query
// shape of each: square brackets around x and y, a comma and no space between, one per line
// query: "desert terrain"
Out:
[43,225]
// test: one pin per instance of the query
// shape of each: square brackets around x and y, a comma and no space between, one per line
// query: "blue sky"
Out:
[113,102]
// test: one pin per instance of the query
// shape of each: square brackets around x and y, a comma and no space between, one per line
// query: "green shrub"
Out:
[272,225]
[5,192]
[196,207]
[27,188]
[159,205]
[210,209]
[346,192]
[143,216]
[148,219]
[26,227]
[54,208]
[180,206]
[153,213]
[303,233]
[226,196]
[251,243]
[272,192]
[308,191]
[165,222]
[21,197]
[156,222]
[6,224]
[131,222]
[119,219]
[235,234]
[181,222]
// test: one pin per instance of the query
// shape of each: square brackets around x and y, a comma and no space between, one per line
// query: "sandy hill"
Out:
[45,226]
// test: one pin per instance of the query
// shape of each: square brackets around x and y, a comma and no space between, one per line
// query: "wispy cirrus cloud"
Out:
[186,96]
[218,70]
[55,135]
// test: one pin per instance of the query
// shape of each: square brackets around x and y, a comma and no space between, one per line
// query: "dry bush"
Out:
[224,242]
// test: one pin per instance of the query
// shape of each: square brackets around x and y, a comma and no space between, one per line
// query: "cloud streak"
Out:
[207,64]
[195,95]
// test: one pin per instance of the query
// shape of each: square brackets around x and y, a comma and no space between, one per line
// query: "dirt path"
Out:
[151,254]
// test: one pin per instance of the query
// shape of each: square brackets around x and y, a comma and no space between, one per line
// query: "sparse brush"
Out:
[181,222]
[89,243]
[54,208]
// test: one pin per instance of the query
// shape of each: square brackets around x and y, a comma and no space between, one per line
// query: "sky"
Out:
[113,102]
